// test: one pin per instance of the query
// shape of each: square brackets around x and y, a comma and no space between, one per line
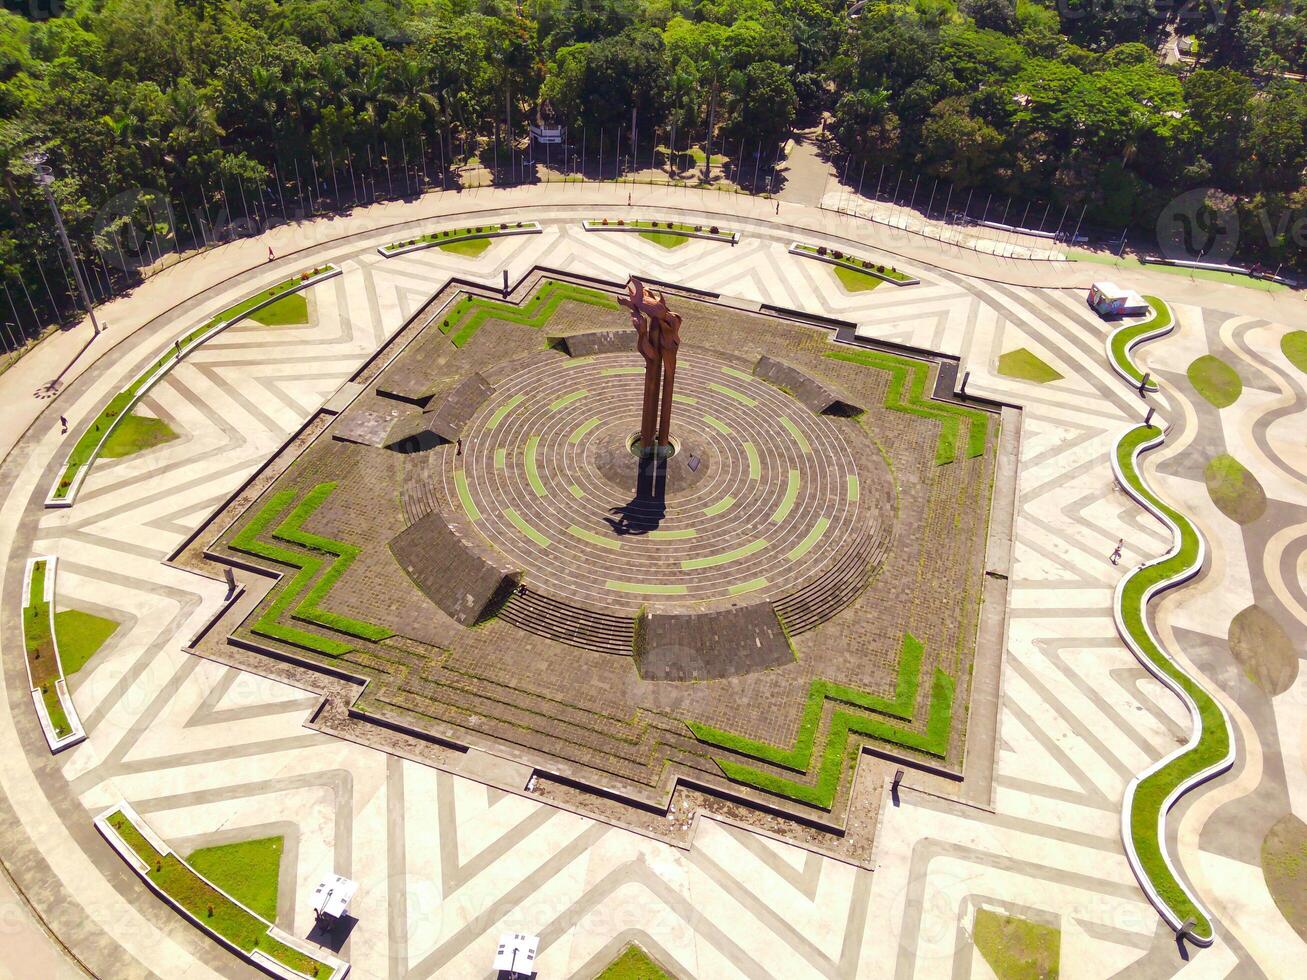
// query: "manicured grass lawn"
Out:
[287,311]
[633,964]
[1214,737]
[40,650]
[665,239]
[1017,949]
[1215,380]
[1027,366]
[471,247]
[853,280]
[470,313]
[1211,275]
[874,269]
[1284,863]
[135,434]
[1123,337]
[1294,345]
[1234,490]
[80,635]
[246,870]
[198,897]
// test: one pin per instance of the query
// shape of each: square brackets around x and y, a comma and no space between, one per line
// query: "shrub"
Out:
[503,225]
[714,230]
[519,224]
[821,249]
[621,221]
[698,227]
[837,253]
[605,221]
[304,276]
[880,268]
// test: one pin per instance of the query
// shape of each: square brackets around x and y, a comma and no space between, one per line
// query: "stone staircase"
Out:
[577,626]
[418,495]
[842,581]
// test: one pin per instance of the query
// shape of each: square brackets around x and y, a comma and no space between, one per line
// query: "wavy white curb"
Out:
[339,969]
[76,733]
[157,371]
[1196,731]
[798,248]
[1160,331]
[729,237]
[492,231]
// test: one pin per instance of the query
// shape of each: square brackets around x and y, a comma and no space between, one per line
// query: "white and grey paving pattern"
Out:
[206,753]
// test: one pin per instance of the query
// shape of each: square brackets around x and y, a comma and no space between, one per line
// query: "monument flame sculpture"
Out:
[658,335]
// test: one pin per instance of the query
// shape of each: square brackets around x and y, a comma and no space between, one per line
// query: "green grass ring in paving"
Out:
[813,536]
[614,372]
[1294,347]
[646,587]
[685,400]
[804,445]
[739,396]
[677,535]
[576,492]
[532,470]
[712,510]
[501,458]
[465,496]
[854,490]
[582,429]
[516,520]
[753,585]
[1215,380]
[737,373]
[492,423]
[717,424]
[755,464]
[737,554]
[792,482]
[592,538]
[566,400]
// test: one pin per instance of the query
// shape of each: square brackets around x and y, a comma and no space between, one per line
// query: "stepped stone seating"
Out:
[410,381]
[558,620]
[457,406]
[820,398]
[685,644]
[840,583]
[466,580]
[596,342]
[365,426]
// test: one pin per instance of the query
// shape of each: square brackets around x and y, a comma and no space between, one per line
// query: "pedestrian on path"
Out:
[1115,557]
[63,426]
[458,448]
[270,255]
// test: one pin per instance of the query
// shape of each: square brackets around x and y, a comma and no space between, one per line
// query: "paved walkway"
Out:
[446,863]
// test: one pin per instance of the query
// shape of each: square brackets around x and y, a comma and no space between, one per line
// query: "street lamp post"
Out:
[45,177]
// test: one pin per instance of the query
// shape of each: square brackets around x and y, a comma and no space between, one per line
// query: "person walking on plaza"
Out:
[1115,557]
[63,426]
[270,255]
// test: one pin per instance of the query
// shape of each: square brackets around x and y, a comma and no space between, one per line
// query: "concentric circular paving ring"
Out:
[778,503]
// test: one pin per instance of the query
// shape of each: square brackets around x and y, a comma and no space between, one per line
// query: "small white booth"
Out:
[1107,299]
[331,900]
[516,955]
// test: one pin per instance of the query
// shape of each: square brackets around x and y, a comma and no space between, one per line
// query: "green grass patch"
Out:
[38,641]
[84,450]
[1213,739]
[1235,491]
[1016,948]
[246,870]
[664,238]
[470,313]
[853,712]
[853,280]
[907,393]
[301,596]
[288,311]
[216,912]
[1121,339]
[633,963]
[1294,346]
[80,635]
[447,240]
[1210,275]
[1215,380]
[852,263]
[1025,365]
[135,434]
[471,247]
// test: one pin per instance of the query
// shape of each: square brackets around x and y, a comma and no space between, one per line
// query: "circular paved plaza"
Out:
[761,496]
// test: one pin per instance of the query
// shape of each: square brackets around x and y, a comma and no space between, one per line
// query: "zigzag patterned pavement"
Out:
[206,753]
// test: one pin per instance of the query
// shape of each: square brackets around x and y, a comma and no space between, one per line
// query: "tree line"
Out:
[244,108]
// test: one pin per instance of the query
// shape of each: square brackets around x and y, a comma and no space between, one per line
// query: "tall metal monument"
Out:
[658,332]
